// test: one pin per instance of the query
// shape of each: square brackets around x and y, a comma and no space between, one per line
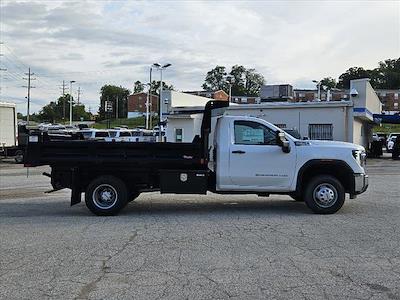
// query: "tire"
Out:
[324,194]
[106,196]
[19,156]
[133,195]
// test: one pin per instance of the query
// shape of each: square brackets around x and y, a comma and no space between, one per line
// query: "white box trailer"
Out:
[8,125]
[8,129]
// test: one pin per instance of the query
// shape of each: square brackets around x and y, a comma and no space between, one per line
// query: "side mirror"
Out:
[282,141]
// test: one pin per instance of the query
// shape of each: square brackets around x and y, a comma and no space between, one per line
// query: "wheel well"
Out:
[338,169]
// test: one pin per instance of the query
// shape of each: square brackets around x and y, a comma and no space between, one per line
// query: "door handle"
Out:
[238,151]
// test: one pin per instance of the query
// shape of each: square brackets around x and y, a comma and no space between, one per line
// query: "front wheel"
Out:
[324,194]
[106,196]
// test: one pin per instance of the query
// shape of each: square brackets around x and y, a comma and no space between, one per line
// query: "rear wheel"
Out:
[106,196]
[324,194]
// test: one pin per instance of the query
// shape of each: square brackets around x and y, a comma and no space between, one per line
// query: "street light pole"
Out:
[161,68]
[319,88]
[148,101]
[70,101]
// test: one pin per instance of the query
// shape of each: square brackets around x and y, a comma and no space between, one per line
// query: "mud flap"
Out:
[75,187]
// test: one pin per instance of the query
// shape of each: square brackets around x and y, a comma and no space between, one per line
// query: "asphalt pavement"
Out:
[198,247]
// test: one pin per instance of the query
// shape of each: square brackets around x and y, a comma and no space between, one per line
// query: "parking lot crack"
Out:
[104,269]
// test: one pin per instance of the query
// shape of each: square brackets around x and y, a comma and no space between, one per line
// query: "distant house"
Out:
[137,104]
[245,100]
[217,95]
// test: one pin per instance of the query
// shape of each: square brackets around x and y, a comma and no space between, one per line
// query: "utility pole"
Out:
[63,94]
[29,87]
[116,108]
[79,93]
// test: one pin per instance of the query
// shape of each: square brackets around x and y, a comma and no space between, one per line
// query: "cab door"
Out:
[256,161]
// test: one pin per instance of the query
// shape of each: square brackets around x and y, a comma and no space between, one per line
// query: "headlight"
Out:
[360,156]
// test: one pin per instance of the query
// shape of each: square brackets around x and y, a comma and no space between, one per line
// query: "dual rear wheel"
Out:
[107,195]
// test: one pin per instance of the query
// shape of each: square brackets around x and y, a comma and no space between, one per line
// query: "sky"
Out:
[115,42]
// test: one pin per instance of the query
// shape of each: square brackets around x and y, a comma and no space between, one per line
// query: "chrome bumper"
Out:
[360,183]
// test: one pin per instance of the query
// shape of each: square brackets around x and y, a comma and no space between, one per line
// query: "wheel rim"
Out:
[105,196]
[325,195]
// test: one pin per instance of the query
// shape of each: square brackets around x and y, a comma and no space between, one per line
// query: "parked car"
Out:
[294,133]
[390,141]
[118,136]
[94,134]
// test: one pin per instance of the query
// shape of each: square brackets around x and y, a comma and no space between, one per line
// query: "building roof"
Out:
[141,93]
[294,104]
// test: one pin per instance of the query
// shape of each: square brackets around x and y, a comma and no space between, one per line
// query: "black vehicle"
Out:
[87,166]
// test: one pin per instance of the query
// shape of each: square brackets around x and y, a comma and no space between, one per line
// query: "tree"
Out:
[155,87]
[54,111]
[254,81]
[215,80]
[138,87]
[350,74]
[113,94]
[328,83]
[238,75]
[388,74]
[245,82]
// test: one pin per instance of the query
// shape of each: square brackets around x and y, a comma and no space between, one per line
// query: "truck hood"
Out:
[336,144]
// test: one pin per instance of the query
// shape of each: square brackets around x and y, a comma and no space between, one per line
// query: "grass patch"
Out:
[387,128]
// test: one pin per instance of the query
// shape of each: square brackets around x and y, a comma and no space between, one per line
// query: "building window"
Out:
[253,133]
[396,105]
[301,95]
[178,135]
[320,131]
[244,100]
[396,96]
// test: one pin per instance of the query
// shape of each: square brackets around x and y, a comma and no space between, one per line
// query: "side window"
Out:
[253,133]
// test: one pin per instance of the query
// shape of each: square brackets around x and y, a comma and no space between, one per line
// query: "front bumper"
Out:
[360,183]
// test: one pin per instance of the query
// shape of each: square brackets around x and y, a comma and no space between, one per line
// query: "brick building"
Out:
[245,100]
[389,98]
[137,104]
[217,95]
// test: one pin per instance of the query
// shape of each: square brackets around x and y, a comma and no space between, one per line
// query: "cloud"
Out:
[98,42]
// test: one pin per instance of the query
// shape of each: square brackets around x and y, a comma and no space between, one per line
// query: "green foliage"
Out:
[328,83]
[389,74]
[155,87]
[58,111]
[114,93]
[245,82]
[387,128]
[215,80]
[138,87]
[386,76]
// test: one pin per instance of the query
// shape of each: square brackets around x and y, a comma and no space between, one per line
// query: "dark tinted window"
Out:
[101,134]
[124,133]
